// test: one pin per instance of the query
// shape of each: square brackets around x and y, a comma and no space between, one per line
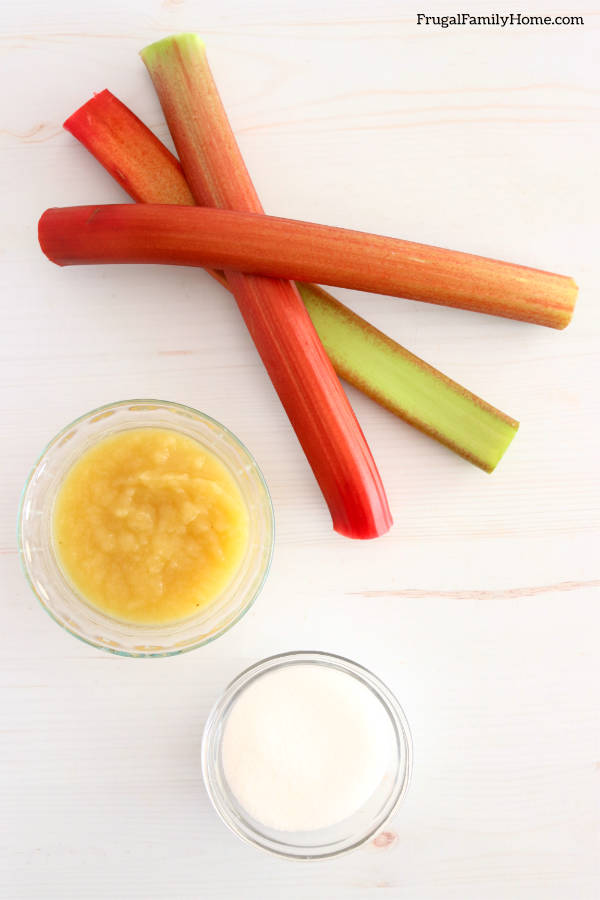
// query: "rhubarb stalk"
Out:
[281,329]
[304,251]
[361,354]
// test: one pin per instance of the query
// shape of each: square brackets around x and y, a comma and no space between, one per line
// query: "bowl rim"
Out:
[168,404]
[317,657]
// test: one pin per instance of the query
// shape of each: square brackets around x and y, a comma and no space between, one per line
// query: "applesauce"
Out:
[149,526]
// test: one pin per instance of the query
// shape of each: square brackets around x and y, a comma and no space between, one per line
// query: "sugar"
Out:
[305,746]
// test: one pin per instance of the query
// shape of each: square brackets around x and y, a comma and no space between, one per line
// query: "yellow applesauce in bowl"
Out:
[146,528]
[149,526]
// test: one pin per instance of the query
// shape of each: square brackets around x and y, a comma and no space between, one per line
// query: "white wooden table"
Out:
[480,608]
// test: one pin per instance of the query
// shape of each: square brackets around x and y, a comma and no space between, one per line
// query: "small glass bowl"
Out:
[336,839]
[66,605]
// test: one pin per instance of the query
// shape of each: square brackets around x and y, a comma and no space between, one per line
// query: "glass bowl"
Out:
[336,839]
[66,605]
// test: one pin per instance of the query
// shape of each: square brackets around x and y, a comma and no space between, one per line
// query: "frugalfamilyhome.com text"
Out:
[497,19]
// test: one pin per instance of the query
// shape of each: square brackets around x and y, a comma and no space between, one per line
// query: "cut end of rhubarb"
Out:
[184,41]
[45,235]
[74,121]
[367,530]
[571,295]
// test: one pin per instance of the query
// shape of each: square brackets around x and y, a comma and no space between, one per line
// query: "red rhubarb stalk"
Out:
[280,327]
[360,353]
[286,248]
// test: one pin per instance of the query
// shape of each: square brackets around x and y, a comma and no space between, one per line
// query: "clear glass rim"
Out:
[370,680]
[170,404]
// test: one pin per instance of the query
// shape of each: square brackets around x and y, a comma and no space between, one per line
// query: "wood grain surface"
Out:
[480,608]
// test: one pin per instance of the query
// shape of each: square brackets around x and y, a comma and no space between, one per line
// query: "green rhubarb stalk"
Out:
[361,354]
[275,316]
[407,385]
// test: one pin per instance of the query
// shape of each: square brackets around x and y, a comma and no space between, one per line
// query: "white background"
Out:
[480,608]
